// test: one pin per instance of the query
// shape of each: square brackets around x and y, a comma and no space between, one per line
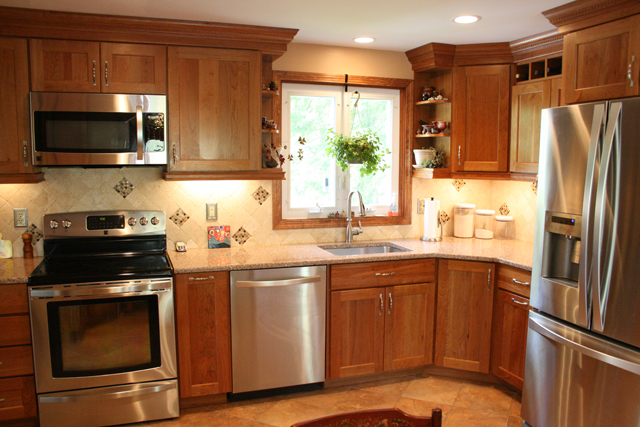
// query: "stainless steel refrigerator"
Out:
[583,344]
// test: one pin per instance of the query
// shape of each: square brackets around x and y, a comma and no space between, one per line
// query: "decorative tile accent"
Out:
[444,218]
[179,217]
[36,233]
[458,184]
[261,195]
[504,209]
[241,236]
[124,187]
[534,186]
[421,205]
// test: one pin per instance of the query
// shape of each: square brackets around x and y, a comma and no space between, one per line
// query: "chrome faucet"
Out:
[354,231]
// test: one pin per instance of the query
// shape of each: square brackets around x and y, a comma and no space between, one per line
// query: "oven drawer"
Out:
[17,398]
[514,280]
[383,273]
[13,299]
[14,330]
[16,361]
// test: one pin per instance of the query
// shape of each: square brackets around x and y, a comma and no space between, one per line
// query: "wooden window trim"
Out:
[404,166]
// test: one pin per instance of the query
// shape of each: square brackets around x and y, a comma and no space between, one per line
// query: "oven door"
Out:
[99,334]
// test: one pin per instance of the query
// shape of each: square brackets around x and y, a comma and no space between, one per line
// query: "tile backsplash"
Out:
[243,205]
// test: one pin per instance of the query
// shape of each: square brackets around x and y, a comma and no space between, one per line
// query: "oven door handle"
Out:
[108,290]
[143,390]
[139,132]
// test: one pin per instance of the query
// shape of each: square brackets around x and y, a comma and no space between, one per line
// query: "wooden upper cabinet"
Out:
[214,102]
[133,68]
[79,66]
[527,102]
[465,303]
[480,122]
[15,134]
[602,62]
[203,333]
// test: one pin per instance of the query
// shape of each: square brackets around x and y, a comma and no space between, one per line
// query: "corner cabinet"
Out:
[481,103]
[381,316]
[602,62]
[15,133]
[215,99]
[203,333]
[465,302]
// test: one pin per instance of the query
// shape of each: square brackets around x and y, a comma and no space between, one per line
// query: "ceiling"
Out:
[396,25]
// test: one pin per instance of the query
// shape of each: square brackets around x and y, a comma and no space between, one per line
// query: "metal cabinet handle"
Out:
[139,131]
[93,72]
[3,399]
[175,156]
[459,155]
[143,390]
[386,274]
[24,153]
[106,73]
[520,283]
[381,305]
[390,302]
[270,283]
[518,302]
[630,69]
[489,280]
[202,278]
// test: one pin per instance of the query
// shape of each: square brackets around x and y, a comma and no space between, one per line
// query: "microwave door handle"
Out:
[139,133]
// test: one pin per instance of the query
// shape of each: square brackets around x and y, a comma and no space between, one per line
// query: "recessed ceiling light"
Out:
[364,40]
[466,19]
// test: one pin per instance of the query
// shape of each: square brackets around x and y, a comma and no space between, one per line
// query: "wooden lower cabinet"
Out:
[509,340]
[463,323]
[379,329]
[17,398]
[203,333]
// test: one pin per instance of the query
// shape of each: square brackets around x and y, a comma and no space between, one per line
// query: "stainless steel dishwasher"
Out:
[278,319]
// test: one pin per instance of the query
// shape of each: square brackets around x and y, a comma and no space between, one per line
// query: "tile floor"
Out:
[464,403]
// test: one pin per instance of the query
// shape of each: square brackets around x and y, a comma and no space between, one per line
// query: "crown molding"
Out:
[543,44]
[581,14]
[483,54]
[431,56]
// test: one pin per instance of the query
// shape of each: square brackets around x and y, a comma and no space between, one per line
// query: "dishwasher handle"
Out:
[270,283]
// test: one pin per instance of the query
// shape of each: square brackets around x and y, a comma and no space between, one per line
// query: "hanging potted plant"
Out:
[362,148]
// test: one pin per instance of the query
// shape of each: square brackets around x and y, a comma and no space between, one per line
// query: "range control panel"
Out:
[103,223]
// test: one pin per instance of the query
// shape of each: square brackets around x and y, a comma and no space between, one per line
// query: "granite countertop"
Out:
[17,270]
[510,252]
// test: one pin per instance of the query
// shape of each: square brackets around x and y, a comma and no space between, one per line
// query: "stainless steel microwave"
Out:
[95,129]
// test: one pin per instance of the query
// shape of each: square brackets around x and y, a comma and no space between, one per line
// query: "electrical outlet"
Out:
[212,210]
[421,206]
[20,217]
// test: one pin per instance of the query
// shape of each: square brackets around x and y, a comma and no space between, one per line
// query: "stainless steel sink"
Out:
[364,249]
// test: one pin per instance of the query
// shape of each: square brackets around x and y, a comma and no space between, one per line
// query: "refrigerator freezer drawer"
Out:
[576,379]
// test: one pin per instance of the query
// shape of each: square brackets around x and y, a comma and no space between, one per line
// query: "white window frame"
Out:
[344,103]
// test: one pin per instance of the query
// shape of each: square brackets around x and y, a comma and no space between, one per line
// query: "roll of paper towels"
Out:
[431,220]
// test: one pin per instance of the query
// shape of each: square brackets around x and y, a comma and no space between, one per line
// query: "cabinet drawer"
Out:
[384,273]
[14,330]
[17,398]
[514,280]
[16,361]
[13,299]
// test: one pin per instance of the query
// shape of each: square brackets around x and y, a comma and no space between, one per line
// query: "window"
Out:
[312,103]
[308,112]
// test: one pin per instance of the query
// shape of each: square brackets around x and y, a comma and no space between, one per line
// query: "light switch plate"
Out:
[421,205]
[20,217]
[212,210]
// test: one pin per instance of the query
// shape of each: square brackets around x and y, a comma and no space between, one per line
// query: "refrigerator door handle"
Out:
[601,278]
[593,161]
[554,332]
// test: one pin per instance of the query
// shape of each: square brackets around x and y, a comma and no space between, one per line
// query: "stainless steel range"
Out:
[101,306]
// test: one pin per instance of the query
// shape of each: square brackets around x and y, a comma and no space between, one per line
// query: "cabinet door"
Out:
[465,302]
[203,333]
[15,136]
[357,332]
[65,65]
[17,398]
[214,103]
[480,123]
[133,68]
[409,323]
[527,102]
[597,61]
[508,348]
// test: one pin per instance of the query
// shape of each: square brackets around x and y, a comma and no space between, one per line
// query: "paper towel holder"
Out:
[435,239]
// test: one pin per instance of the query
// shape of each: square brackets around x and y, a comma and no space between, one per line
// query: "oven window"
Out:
[104,336]
[84,132]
